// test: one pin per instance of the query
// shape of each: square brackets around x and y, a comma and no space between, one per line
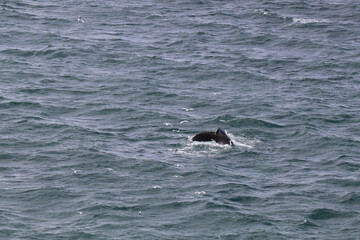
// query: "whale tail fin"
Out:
[220,131]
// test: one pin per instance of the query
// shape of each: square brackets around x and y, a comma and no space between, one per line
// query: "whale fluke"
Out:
[219,136]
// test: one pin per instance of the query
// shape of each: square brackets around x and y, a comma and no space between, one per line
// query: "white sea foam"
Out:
[177,176]
[178,165]
[200,192]
[295,20]
[241,141]
[307,20]
[211,144]
[184,121]
[263,11]
[194,148]
[167,124]
[76,171]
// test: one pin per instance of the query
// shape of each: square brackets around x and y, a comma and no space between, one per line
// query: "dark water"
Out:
[97,112]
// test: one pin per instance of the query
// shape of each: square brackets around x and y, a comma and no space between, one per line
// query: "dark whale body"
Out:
[219,136]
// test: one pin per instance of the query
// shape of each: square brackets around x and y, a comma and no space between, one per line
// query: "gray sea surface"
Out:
[99,100]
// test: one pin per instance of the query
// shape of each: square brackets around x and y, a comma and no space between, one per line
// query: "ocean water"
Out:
[99,100]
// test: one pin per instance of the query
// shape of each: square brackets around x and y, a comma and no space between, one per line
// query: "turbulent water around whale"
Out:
[99,101]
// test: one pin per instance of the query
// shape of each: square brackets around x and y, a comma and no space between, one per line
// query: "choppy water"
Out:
[99,100]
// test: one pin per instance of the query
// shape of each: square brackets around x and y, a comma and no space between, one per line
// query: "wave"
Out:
[326,213]
[351,199]
[243,122]
[342,182]
[244,199]
[350,166]
[48,53]
[20,104]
